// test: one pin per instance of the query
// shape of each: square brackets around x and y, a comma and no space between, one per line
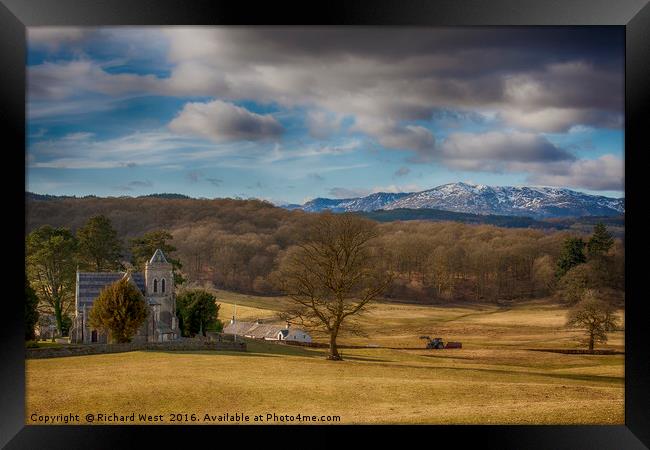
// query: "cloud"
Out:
[391,135]
[38,134]
[160,148]
[146,183]
[393,86]
[193,176]
[393,188]
[315,176]
[281,153]
[322,124]
[402,171]
[341,192]
[82,150]
[133,185]
[54,37]
[561,120]
[535,79]
[531,154]
[72,79]
[606,173]
[494,150]
[221,121]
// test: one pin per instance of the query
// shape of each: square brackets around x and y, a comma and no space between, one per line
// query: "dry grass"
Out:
[535,324]
[491,380]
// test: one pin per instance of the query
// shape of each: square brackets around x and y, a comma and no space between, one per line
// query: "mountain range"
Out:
[536,202]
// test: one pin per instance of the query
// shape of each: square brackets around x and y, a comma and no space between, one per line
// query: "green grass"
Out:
[493,379]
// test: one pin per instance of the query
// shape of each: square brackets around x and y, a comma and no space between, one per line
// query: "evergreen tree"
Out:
[572,255]
[197,311]
[31,311]
[142,248]
[600,242]
[573,285]
[119,310]
[99,247]
[51,268]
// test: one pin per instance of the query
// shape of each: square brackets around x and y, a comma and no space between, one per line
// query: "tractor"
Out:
[435,343]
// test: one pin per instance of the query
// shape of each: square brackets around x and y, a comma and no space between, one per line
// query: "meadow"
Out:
[493,379]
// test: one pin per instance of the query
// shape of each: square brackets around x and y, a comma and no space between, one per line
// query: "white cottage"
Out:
[268,332]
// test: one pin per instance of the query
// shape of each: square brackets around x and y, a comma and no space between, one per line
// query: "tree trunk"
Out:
[334,352]
[591,342]
[58,314]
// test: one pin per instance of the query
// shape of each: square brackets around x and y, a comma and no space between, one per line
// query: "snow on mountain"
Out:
[538,202]
[370,203]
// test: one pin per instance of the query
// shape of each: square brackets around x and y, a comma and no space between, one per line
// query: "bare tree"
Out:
[332,275]
[595,317]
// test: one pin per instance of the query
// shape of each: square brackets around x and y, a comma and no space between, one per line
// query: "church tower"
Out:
[159,285]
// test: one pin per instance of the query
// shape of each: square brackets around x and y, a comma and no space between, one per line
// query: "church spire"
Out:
[158,257]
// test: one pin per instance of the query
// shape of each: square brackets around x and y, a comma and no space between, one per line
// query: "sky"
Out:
[290,114]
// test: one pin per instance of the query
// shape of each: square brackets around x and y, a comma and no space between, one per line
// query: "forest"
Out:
[238,244]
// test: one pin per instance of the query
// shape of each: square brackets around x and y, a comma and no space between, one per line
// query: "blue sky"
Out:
[289,114]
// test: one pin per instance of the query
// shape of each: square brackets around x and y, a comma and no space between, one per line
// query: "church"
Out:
[157,287]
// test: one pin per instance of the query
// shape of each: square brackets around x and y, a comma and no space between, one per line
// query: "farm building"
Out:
[268,332]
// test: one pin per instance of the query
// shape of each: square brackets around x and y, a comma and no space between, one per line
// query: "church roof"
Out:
[158,257]
[90,284]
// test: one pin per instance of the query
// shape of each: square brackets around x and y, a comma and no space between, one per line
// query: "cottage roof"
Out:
[237,327]
[260,330]
[90,284]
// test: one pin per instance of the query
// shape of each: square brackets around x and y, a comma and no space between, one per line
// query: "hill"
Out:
[238,244]
[536,202]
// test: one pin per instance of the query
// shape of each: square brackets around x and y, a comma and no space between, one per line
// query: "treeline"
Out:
[238,244]
[439,215]
[451,262]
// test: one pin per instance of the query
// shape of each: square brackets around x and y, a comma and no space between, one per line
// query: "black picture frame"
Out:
[634,15]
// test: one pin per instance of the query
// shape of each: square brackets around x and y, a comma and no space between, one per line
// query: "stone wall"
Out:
[95,349]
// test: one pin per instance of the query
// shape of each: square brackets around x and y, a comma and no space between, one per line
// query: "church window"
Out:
[162,285]
[155,285]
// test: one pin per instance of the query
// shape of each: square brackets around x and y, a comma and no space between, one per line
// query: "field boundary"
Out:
[96,349]
[576,351]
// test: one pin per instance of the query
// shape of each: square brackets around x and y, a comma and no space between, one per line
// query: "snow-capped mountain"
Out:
[539,202]
[372,202]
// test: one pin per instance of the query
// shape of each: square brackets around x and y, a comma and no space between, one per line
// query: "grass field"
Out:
[493,379]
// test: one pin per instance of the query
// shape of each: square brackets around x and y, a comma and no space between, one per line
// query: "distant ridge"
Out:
[166,195]
[615,223]
[535,202]
[46,197]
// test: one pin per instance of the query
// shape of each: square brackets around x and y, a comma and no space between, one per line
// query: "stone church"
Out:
[157,287]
